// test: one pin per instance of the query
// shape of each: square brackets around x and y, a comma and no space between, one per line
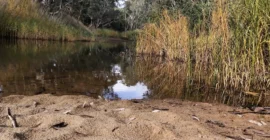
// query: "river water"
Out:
[110,70]
[93,69]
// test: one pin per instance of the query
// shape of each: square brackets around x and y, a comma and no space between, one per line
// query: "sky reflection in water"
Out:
[123,91]
[31,68]
[108,70]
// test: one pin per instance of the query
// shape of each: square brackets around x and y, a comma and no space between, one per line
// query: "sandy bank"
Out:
[82,117]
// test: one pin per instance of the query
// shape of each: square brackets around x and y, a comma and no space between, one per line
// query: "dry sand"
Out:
[84,118]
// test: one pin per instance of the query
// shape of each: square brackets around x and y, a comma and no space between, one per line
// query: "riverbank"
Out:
[82,117]
[27,20]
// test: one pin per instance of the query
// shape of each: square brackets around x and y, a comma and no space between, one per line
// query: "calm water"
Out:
[110,70]
[29,68]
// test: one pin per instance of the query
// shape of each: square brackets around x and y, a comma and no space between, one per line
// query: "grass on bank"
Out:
[27,20]
[24,19]
[229,53]
[109,33]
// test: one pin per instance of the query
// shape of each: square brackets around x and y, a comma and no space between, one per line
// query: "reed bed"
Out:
[231,54]
[25,19]
[170,34]
[171,78]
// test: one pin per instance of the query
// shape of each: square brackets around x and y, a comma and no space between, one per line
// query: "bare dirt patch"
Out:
[81,117]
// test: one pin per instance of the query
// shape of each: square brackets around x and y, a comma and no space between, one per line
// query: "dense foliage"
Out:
[93,13]
[133,14]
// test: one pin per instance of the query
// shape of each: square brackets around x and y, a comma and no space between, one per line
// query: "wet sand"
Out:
[51,117]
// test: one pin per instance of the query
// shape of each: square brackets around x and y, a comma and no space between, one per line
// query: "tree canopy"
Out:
[108,14]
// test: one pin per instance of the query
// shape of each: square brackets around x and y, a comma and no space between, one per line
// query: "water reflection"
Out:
[168,79]
[30,68]
[124,91]
[165,79]
[130,92]
[110,70]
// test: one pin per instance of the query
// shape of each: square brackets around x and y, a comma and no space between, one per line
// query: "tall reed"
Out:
[170,34]
[232,54]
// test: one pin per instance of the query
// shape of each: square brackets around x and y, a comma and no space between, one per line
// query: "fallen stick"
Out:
[115,128]
[220,124]
[247,112]
[35,104]
[252,131]
[234,137]
[84,104]
[13,120]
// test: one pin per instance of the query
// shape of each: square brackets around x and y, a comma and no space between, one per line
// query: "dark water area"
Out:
[111,70]
[93,69]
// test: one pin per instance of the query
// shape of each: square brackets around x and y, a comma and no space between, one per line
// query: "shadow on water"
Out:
[108,69]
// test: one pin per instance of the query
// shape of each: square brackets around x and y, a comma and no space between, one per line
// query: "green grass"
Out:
[106,33]
[109,33]
[130,35]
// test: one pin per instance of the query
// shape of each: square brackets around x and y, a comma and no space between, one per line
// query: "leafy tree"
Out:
[142,11]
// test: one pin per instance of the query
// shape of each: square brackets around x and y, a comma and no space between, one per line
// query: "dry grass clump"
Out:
[170,34]
[25,19]
[231,54]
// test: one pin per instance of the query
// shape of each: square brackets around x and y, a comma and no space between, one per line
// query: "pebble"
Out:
[155,111]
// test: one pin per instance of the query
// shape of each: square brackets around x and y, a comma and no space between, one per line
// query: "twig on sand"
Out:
[12,118]
[234,137]
[160,109]
[35,104]
[252,131]
[194,117]
[115,128]
[68,112]
[155,110]
[255,110]
[220,124]
[59,125]
[84,104]
[87,116]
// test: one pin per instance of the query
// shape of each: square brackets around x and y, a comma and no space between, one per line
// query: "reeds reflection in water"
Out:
[172,79]
[108,70]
